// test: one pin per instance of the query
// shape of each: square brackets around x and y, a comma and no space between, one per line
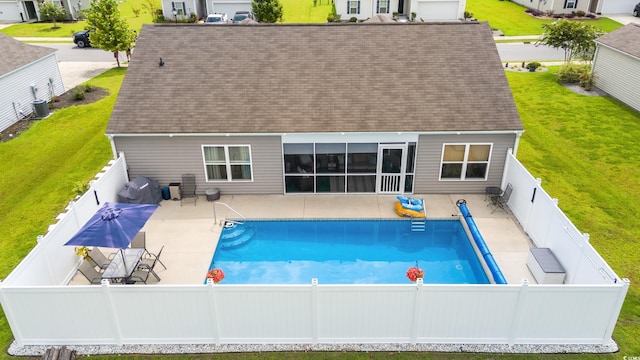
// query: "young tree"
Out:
[109,31]
[575,37]
[51,11]
[267,11]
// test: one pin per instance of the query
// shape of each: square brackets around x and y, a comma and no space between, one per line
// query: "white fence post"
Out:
[524,287]
[314,310]
[112,311]
[213,309]
[615,312]
[417,310]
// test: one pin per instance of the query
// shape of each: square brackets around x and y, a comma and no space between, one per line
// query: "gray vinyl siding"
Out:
[429,154]
[166,158]
[15,88]
[619,75]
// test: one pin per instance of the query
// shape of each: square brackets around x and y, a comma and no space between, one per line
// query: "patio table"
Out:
[119,270]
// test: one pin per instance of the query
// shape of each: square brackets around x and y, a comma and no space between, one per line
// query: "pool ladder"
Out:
[418,224]
[223,222]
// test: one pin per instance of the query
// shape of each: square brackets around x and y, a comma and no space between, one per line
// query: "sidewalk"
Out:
[45,39]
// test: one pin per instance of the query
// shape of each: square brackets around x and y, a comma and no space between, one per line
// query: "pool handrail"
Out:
[215,216]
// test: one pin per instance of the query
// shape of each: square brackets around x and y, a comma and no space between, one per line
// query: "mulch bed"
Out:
[59,102]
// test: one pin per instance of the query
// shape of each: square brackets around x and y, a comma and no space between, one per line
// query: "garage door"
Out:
[437,10]
[230,7]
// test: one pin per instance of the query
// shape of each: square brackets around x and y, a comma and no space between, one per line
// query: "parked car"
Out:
[81,38]
[216,19]
[241,15]
[636,10]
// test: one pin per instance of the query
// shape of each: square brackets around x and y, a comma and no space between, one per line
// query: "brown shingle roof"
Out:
[314,78]
[625,39]
[15,54]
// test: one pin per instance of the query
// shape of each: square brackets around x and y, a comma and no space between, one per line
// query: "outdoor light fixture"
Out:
[175,15]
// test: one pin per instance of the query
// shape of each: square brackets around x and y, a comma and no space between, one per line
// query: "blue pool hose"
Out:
[498,278]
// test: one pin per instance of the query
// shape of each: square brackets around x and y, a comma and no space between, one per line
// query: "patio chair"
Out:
[140,242]
[500,201]
[88,270]
[188,188]
[149,263]
[97,259]
[138,276]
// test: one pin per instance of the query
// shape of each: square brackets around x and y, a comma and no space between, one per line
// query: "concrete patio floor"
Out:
[189,232]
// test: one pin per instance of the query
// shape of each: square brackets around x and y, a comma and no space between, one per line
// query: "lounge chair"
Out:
[140,242]
[500,201]
[138,276]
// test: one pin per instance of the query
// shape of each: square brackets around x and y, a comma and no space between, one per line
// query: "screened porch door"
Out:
[391,168]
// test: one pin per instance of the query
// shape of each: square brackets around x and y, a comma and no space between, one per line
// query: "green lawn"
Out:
[511,19]
[304,11]
[66,29]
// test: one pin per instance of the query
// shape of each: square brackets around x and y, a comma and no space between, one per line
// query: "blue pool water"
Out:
[345,252]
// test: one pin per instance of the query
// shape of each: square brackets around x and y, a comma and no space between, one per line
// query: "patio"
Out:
[189,233]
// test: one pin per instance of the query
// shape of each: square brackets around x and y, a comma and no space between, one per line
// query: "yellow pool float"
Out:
[402,211]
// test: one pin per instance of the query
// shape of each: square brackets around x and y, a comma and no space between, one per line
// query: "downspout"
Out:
[517,142]
[113,146]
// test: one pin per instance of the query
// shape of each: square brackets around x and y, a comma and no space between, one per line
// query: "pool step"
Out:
[235,234]
[418,224]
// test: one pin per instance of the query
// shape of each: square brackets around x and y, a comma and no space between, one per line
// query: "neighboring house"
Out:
[616,64]
[27,73]
[332,108]
[201,8]
[425,10]
[17,10]
[25,10]
[589,6]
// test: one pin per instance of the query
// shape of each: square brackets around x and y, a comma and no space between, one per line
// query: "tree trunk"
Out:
[115,55]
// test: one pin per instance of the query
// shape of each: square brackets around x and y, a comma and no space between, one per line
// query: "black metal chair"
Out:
[188,188]
[500,201]
[97,259]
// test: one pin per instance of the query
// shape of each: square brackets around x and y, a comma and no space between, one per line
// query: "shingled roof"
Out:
[625,39]
[314,78]
[15,54]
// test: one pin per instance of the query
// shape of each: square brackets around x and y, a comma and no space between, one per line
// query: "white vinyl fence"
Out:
[41,310]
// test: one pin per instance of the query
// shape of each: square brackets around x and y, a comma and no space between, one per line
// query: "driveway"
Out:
[623,19]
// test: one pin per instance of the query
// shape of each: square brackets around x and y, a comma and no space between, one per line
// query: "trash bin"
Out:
[174,191]
[212,194]
[165,193]
[40,108]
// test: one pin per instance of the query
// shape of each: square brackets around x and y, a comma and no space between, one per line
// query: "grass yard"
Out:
[511,19]
[304,11]
[66,29]
[585,150]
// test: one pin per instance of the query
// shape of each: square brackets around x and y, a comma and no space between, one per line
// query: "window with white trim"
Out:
[353,7]
[383,6]
[227,162]
[465,161]
[570,4]
[179,7]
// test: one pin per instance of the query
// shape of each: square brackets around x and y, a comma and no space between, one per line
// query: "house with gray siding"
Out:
[330,108]
[27,73]
[616,64]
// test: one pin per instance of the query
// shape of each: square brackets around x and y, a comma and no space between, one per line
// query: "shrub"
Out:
[570,73]
[586,81]
[533,66]
[78,95]
[89,88]
[580,13]
[333,15]
[136,11]
[353,19]
[158,18]
[468,15]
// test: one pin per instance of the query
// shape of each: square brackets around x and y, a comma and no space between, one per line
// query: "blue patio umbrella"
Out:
[114,225]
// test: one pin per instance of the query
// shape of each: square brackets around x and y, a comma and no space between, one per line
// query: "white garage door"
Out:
[230,7]
[618,6]
[437,10]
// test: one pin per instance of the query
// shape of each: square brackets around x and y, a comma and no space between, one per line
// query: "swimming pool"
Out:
[345,252]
